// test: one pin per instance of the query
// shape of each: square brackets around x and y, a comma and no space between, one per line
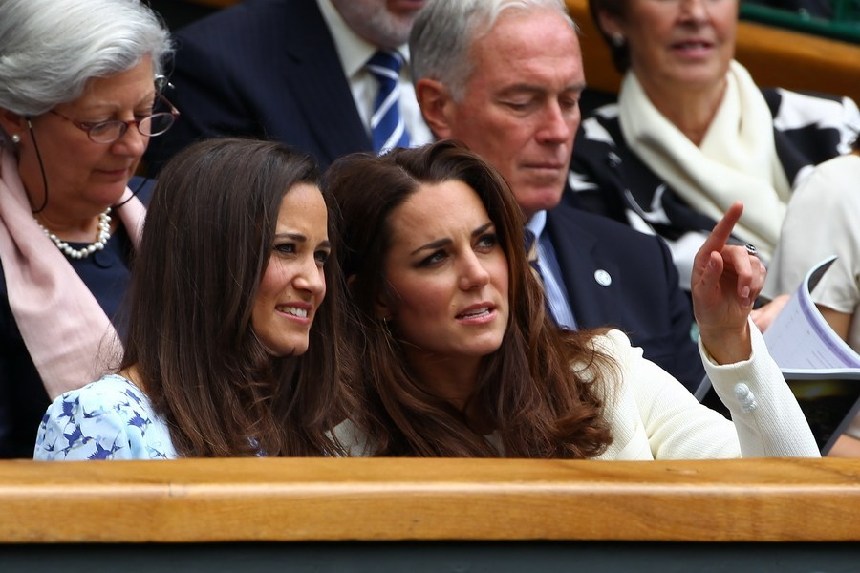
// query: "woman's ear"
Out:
[383,309]
[609,24]
[12,123]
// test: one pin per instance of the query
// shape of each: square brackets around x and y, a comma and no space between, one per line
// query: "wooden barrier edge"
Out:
[387,499]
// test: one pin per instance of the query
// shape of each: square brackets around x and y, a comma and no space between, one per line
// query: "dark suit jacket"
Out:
[266,69]
[643,299]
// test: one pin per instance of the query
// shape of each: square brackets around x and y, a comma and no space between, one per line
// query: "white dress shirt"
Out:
[353,52]
[550,272]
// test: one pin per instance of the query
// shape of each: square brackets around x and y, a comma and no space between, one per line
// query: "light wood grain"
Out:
[774,57]
[429,499]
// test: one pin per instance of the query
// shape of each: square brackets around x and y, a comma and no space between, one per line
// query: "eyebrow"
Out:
[101,105]
[536,89]
[442,242]
[299,238]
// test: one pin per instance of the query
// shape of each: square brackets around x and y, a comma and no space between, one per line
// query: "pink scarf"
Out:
[67,333]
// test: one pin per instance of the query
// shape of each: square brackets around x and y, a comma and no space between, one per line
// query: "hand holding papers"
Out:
[801,341]
[822,371]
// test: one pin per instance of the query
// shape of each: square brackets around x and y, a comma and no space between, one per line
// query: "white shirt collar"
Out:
[352,50]
[537,223]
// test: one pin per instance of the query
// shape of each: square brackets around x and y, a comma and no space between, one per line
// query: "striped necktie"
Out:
[386,125]
[556,304]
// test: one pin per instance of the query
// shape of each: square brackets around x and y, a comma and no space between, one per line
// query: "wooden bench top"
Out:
[390,499]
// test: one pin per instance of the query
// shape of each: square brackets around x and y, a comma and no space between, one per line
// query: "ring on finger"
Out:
[751,249]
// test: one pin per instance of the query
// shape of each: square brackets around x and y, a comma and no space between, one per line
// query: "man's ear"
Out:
[436,106]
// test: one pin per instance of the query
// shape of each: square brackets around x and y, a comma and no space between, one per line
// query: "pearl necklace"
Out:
[83,252]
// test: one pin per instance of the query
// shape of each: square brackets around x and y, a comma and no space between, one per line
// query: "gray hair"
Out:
[49,49]
[445,30]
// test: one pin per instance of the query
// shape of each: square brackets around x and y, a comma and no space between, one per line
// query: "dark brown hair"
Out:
[206,243]
[528,390]
[615,8]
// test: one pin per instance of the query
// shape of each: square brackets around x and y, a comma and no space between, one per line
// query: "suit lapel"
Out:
[319,85]
[578,254]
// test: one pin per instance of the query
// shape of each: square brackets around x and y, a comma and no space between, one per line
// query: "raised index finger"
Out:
[723,229]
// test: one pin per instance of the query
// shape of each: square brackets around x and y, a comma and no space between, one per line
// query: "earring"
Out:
[617,39]
[16,139]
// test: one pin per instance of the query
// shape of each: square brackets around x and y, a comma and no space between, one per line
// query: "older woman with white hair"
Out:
[79,101]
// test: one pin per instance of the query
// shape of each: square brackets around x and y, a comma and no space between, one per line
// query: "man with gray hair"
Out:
[505,77]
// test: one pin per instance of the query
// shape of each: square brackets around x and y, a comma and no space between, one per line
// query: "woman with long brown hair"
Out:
[233,345]
[462,360]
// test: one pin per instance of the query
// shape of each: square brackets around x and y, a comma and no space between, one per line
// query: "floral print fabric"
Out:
[110,418]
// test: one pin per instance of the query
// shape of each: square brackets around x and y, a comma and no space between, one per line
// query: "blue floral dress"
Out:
[109,419]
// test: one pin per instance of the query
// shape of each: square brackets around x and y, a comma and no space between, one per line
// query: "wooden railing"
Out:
[309,499]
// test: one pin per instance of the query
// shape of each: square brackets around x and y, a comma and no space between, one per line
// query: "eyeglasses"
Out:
[112,129]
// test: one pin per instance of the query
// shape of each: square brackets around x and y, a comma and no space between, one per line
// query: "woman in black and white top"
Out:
[691,132]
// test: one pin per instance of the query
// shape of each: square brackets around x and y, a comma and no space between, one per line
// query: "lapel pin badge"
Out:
[602,277]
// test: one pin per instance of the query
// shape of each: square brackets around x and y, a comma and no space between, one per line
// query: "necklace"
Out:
[83,252]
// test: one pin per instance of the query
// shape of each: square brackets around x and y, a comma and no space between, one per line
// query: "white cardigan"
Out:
[654,417]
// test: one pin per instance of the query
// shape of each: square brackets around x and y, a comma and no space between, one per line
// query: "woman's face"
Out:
[293,284]
[683,44]
[85,177]
[447,273]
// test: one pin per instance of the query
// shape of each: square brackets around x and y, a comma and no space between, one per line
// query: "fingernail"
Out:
[745,293]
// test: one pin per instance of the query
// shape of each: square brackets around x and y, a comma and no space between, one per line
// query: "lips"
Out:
[300,312]
[476,313]
[480,310]
[692,45]
[545,164]
[297,311]
[122,172]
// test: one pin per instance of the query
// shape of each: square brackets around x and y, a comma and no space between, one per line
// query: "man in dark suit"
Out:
[509,88]
[290,70]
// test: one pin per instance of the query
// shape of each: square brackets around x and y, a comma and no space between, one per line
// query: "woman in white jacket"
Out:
[462,359]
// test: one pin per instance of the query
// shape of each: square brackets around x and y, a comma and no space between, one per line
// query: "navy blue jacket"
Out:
[265,69]
[643,299]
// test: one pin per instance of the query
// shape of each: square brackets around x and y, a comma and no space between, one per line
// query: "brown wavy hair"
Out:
[206,244]
[540,405]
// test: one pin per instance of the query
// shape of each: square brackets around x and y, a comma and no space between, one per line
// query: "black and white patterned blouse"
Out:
[607,177]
